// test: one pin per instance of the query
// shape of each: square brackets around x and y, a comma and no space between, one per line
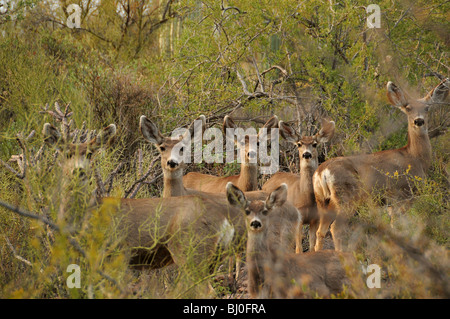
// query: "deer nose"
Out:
[252,154]
[255,224]
[419,122]
[307,155]
[172,163]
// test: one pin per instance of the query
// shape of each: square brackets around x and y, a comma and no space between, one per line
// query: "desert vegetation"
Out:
[74,97]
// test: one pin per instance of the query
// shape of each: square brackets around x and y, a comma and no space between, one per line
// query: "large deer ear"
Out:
[439,94]
[278,197]
[235,196]
[104,137]
[288,133]
[51,134]
[267,128]
[396,95]
[228,123]
[326,132]
[150,131]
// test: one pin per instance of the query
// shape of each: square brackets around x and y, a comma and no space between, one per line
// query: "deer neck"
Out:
[248,179]
[257,252]
[173,183]
[305,188]
[419,145]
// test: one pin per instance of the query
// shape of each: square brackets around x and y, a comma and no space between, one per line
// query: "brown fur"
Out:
[340,183]
[283,235]
[300,187]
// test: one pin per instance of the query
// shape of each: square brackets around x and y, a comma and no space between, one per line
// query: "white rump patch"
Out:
[322,183]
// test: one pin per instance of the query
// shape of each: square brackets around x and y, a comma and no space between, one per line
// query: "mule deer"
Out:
[341,182]
[284,232]
[74,167]
[271,264]
[247,180]
[181,230]
[300,188]
[157,230]
[172,159]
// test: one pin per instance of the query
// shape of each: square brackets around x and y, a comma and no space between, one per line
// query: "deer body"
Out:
[162,231]
[283,234]
[300,187]
[340,183]
[272,265]
[247,180]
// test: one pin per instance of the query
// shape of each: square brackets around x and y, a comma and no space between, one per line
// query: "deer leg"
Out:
[337,231]
[313,226]
[325,221]
[299,238]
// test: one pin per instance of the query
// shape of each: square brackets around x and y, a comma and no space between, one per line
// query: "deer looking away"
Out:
[341,182]
[300,188]
[272,265]
[247,180]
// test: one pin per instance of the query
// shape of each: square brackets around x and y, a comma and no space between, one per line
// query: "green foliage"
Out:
[174,60]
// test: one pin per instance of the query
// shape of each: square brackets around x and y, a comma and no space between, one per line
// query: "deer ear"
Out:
[326,132]
[439,94]
[104,138]
[396,95]
[235,196]
[150,131]
[51,134]
[228,123]
[278,197]
[288,133]
[267,128]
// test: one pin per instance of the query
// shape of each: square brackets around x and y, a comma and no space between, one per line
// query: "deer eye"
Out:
[162,148]
[247,212]
[182,150]
[89,155]
[408,108]
[314,145]
[265,212]
[427,108]
[299,144]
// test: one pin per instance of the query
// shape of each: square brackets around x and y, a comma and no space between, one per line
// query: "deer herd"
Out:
[217,214]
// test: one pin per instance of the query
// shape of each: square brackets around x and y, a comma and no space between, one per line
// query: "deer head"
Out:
[256,211]
[248,145]
[78,155]
[417,110]
[307,145]
[173,150]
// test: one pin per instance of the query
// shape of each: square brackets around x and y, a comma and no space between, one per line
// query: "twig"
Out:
[15,254]
[143,178]
[55,227]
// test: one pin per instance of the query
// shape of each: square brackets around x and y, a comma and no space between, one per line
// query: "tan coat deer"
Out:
[247,180]
[273,269]
[70,190]
[300,188]
[341,182]
[158,232]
